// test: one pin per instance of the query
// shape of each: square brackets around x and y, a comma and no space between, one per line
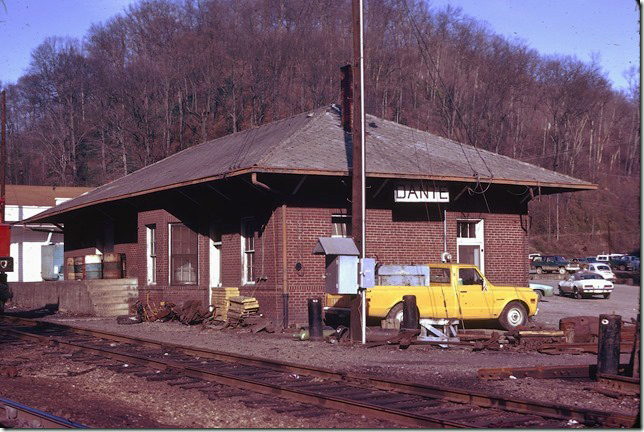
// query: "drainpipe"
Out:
[255,182]
[284,271]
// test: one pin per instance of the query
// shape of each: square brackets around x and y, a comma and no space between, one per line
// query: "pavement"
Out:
[624,301]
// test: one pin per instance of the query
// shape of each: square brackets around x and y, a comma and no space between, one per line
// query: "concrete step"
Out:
[110,294]
[111,311]
[108,282]
[102,288]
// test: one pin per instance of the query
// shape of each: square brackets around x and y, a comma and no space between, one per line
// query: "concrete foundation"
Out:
[81,297]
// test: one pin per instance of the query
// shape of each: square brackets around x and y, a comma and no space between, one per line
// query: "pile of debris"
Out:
[189,312]
[232,312]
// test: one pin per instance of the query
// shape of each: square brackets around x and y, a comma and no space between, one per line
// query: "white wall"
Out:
[26,244]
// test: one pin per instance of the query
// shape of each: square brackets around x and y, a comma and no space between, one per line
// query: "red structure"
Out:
[246,210]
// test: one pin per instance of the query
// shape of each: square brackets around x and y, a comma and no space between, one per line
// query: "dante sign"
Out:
[420,193]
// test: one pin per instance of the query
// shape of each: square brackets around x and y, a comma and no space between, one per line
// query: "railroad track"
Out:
[298,387]
[17,415]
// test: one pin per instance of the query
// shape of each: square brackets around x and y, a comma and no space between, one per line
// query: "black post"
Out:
[315,318]
[410,313]
[608,345]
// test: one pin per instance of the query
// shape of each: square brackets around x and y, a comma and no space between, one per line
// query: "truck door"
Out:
[443,296]
[475,300]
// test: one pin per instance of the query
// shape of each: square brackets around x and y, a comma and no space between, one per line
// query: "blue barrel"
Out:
[94,266]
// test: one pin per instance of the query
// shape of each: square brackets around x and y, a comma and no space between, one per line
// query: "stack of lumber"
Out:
[241,307]
[221,301]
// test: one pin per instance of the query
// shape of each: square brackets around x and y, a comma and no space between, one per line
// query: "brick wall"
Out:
[394,236]
[393,240]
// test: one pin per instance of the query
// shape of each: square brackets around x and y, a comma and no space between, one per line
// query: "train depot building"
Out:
[246,211]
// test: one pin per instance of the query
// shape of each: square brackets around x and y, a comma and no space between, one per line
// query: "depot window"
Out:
[248,249]
[340,225]
[183,255]
[466,229]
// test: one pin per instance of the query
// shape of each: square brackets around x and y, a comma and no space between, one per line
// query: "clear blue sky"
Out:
[24,24]
[570,27]
[610,28]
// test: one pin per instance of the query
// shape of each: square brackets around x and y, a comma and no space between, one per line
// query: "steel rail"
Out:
[31,417]
[348,405]
[523,406]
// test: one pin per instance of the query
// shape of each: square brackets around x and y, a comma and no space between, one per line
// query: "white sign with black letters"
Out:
[415,192]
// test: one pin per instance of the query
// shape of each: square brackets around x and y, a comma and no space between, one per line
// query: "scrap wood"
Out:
[492,343]
[403,339]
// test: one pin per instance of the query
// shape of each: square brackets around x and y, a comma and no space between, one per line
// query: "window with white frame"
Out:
[466,229]
[183,255]
[151,242]
[248,250]
[340,225]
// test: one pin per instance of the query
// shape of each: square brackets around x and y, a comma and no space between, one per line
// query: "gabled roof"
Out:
[315,143]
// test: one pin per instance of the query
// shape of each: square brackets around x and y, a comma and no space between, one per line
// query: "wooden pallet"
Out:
[221,300]
[241,306]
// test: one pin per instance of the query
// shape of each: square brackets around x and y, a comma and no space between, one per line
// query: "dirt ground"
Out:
[124,401]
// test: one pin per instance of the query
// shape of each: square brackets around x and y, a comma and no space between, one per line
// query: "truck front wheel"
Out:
[539,270]
[514,315]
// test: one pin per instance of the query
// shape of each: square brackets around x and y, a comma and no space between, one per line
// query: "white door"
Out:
[215,260]
[469,243]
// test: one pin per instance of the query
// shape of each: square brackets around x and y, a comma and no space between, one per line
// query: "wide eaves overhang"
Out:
[314,143]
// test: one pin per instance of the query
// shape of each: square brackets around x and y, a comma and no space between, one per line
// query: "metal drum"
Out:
[112,266]
[94,266]
[78,267]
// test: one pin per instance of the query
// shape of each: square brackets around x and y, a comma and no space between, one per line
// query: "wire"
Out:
[420,38]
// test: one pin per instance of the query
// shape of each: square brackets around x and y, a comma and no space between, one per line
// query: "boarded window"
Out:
[183,255]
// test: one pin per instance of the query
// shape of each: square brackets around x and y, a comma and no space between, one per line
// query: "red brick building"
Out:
[247,209]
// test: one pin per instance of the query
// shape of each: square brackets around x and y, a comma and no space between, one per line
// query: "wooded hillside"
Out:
[168,75]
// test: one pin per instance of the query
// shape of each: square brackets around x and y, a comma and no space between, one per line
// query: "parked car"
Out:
[583,262]
[625,263]
[605,258]
[603,270]
[553,263]
[458,291]
[585,284]
[542,290]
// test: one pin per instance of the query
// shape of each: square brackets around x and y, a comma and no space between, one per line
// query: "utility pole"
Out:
[3,155]
[358,153]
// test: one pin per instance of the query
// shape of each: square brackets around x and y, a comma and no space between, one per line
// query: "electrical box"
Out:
[368,273]
[342,275]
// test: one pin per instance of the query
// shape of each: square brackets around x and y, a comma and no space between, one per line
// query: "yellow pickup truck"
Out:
[457,291]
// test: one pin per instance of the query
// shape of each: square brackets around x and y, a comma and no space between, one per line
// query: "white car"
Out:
[585,284]
[603,269]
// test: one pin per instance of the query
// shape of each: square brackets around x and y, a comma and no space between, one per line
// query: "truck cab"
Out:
[455,291]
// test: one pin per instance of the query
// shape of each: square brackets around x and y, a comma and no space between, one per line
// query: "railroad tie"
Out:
[416,404]
[198,385]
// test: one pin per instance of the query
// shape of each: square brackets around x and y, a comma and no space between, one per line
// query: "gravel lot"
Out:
[152,405]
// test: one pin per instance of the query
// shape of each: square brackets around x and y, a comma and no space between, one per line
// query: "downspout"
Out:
[284,271]
[255,182]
